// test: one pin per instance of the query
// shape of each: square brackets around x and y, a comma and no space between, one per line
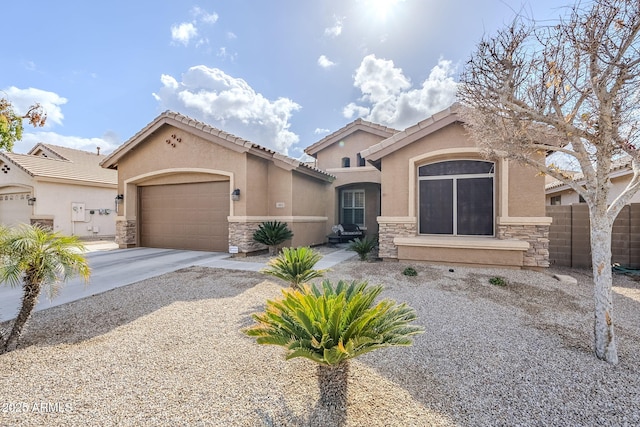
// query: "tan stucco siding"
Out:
[309,196]
[350,146]
[279,189]
[526,191]
[256,194]
[396,166]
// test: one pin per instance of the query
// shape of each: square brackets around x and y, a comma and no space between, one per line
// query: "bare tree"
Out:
[570,89]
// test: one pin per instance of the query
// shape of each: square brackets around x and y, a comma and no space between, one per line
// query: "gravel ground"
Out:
[169,351]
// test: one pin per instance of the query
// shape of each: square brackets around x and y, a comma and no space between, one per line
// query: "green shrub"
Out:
[410,271]
[331,325]
[363,246]
[272,234]
[498,281]
[295,266]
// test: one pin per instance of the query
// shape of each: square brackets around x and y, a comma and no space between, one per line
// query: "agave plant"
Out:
[331,325]
[363,246]
[295,265]
[272,234]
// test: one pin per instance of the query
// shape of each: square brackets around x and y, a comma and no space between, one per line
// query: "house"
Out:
[58,187]
[426,191]
[187,185]
[443,202]
[354,195]
[558,193]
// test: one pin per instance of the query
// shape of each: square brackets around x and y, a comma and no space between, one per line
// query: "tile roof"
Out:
[207,131]
[350,128]
[72,165]
[621,165]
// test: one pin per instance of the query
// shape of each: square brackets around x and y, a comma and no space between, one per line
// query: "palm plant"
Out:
[35,257]
[331,325]
[295,265]
[363,246]
[272,234]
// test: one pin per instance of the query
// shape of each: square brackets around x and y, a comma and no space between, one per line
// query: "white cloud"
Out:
[183,33]
[204,16]
[107,143]
[325,62]
[336,29]
[231,36]
[224,54]
[388,96]
[22,99]
[229,103]
[320,131]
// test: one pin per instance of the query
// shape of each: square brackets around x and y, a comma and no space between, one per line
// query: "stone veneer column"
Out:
[390,228]
[241,235]
[126,233]
[537,235]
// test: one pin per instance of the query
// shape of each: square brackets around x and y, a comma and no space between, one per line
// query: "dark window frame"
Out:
[445,213]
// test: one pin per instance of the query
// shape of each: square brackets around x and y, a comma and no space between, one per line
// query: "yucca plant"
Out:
[331,325]
[295,265]
[272,234]
[36,258]
[363,246]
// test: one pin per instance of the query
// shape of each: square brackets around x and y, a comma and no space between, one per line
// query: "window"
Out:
[352,207]
[361,161]
[346,162]
[556,200]
[456,198]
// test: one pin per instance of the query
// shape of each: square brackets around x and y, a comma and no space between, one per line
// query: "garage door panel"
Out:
[185,216]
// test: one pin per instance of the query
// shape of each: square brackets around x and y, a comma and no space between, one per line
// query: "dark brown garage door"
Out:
[185,216]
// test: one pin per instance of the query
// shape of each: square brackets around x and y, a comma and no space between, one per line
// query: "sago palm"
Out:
[331,325]
[36,258]
[295,265]
[363,246]
[272,234]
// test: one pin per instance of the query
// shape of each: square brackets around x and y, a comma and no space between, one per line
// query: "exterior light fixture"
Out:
[119,200]
[31,201]
[235,195]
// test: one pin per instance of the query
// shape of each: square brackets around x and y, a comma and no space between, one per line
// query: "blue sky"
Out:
[281,73]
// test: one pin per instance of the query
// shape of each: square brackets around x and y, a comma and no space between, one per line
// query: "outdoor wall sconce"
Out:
[235,195]
[119,198]
[31,201]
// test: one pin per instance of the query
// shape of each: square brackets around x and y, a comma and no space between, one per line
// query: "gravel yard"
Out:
[169,351]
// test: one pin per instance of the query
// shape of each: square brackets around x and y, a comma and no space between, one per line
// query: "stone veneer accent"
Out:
[538,237]
[241,235]
[126,233]
[387,232]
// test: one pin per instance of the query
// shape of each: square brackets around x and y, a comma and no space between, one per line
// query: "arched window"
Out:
[457,198]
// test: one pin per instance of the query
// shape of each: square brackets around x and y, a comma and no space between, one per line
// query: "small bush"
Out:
[363,246]
[498,281]
[272,234]
[410,271]
[295,266]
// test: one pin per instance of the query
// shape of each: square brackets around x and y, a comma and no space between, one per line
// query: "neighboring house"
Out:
[188,185]
[442,202]
[558,193]
[355,193]
[58,187]
[426,191]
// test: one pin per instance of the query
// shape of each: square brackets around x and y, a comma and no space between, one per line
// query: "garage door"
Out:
[14,209]
[185,216]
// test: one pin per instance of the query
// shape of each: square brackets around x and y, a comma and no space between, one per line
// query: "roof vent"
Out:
[98,149]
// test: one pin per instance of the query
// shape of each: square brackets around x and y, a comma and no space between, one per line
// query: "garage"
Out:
[185,216]
[14,208]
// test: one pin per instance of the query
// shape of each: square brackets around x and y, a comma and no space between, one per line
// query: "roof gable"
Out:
[355,126]
[413,133]
[214,135]
[62,163]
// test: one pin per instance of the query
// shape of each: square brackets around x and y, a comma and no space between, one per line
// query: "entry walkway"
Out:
[112,268]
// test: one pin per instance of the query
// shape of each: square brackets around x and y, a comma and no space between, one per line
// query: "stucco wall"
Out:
[331,157]
[526,191]
[53,201]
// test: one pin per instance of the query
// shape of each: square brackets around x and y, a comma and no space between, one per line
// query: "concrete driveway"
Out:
[114,268]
